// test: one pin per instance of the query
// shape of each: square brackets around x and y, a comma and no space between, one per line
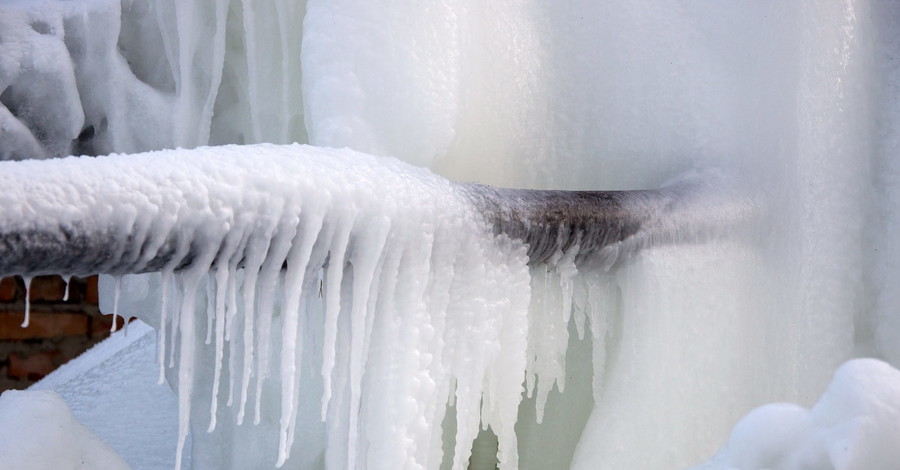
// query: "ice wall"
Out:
[102,76]
[797,97]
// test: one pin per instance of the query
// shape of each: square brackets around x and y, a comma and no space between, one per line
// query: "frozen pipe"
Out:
[162,210]
[609,226]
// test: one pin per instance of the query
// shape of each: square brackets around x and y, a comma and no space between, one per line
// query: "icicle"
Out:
[221,278]
[548,336]
[249,16]
[184,23]
[116,294]
[275,259]
[251,273]
[602,300]
[231,300]
[567,271]
[232,309]
[67,279]
[580,303]
[216,69]
[365,261]
[537,299]
[333,277]
[186,360]
[27,320]
[291,342]
[303,328]
[283,14]
[176,316]
[161,333]
[257,249]
[388,307]
[229,331]
[222,306]
[210,309]
[191,280]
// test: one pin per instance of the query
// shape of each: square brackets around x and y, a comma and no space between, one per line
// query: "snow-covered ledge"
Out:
[112,390]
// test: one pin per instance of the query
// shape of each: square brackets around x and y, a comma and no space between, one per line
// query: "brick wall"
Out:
[58,331]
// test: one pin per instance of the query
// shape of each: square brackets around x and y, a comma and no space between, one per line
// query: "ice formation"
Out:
[450,300]
[395,282]
[797,98]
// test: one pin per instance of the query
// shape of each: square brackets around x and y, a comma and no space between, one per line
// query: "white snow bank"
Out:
[855,425]
[37,430]
[112,390]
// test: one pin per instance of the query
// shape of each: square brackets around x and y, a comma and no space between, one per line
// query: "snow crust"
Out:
[37,430]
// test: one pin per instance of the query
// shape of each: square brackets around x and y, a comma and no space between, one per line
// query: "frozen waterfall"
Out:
[323,308]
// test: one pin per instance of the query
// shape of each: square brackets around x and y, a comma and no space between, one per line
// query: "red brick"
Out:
[33,367]
[47,289]
[90,295]
[42,325]
[102,324]
[8,289]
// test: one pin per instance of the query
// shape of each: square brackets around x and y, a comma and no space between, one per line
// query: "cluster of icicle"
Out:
[408,306]
[415,306]
[405,322]
[375,279]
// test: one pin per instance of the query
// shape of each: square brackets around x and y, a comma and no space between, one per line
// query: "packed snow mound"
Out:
[855,425]
[37,430]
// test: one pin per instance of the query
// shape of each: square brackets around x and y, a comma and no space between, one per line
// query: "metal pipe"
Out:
[66,216]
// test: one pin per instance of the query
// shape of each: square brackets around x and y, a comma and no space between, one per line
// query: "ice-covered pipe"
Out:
[163,210]
[609,226]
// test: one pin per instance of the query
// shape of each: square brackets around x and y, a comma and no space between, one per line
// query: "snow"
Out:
[856,424]
[37,430]
[111,388]
[391,308]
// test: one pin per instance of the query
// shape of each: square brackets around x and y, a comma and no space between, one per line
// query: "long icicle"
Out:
[291,346]
[333,277]
[365,261]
